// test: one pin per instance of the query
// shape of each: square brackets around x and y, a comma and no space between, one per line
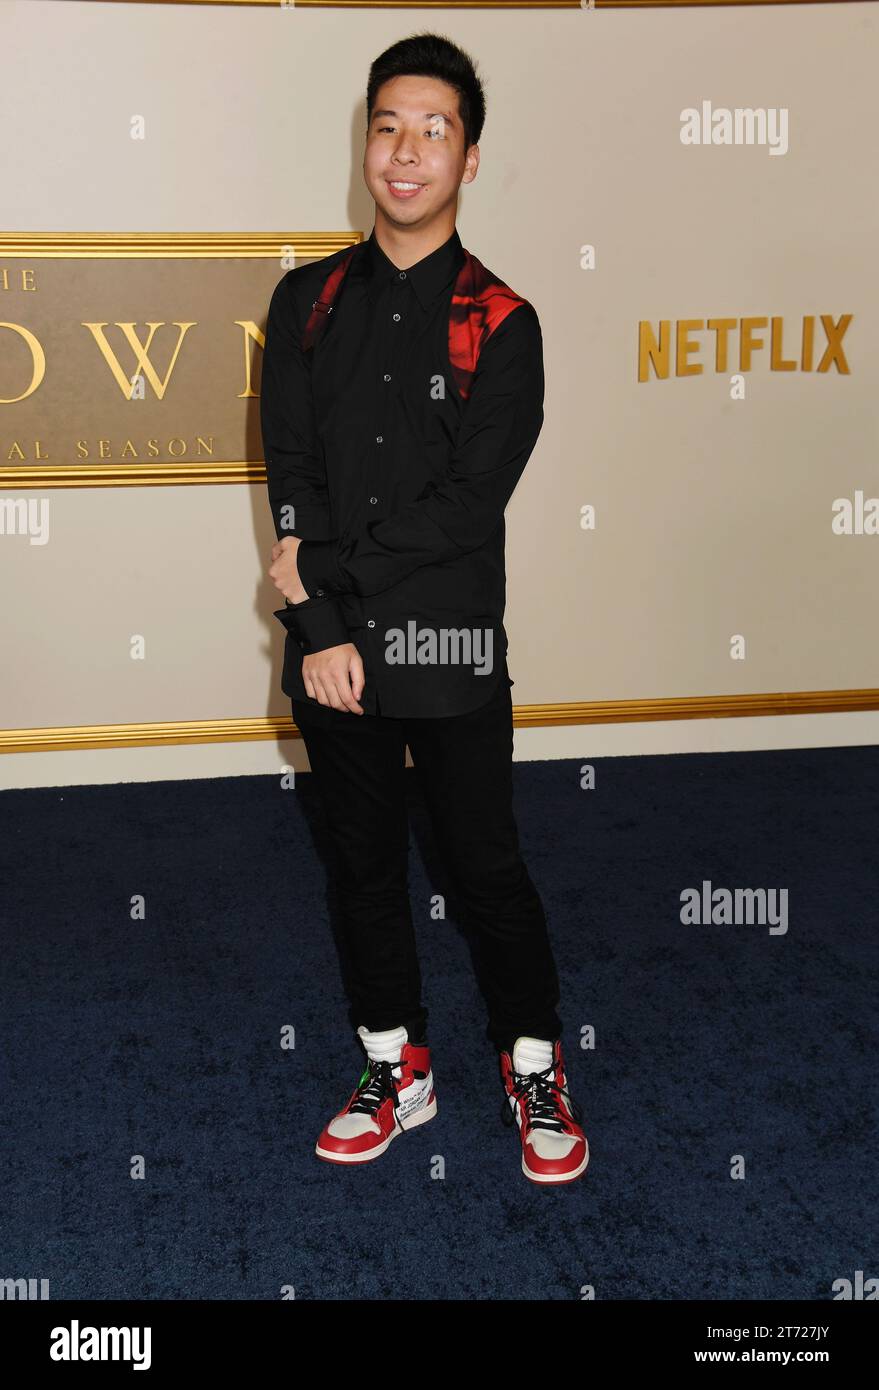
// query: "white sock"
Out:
[386,1046]
[531,1054]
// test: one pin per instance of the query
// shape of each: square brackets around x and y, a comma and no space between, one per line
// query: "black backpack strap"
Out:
[322,307]
[480,303]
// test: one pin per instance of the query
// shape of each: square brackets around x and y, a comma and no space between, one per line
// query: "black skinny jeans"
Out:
[464,766]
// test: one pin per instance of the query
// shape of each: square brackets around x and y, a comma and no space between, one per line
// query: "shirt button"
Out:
[373,499]
[402,275]
[387,377]
[371,623]
[379,439]
[319,593]
[396,318]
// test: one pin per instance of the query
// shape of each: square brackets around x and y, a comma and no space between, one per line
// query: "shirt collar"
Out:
[428,277]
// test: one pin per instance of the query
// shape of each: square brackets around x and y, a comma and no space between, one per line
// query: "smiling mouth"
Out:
[404,188]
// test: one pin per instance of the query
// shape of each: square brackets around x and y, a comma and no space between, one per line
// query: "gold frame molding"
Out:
[161,246]
[76,738]
[489,4]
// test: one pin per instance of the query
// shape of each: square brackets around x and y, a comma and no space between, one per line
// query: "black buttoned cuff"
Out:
[319,569]
[315,625]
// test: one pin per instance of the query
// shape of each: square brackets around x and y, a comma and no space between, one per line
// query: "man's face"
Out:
[416,136]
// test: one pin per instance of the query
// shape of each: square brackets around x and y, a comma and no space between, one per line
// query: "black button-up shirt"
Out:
[395,482]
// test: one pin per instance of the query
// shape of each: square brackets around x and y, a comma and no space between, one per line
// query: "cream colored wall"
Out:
[713,515]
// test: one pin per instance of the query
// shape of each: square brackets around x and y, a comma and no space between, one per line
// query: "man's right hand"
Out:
[335,677]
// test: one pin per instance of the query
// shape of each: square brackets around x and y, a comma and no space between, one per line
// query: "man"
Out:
[402,394]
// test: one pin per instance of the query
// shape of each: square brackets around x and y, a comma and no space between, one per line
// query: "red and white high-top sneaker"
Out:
[394,1093]
[554,1147]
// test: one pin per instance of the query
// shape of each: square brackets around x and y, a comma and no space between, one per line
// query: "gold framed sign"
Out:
[136,358]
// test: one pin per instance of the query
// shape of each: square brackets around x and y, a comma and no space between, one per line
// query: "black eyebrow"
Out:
[428,115]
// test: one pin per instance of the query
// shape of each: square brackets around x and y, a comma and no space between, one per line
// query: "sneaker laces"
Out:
[544,1100]
[374,1086]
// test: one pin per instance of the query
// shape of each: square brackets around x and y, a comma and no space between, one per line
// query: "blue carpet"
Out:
[161,1038]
